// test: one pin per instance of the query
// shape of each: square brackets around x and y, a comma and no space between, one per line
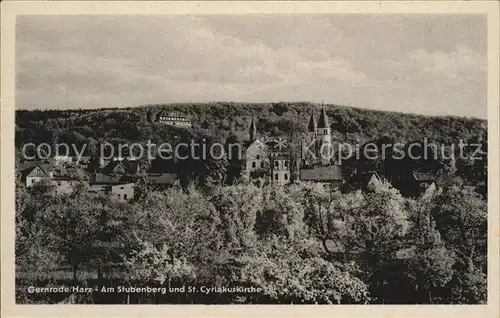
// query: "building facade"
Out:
[271,158]
[265,159]
[280,169]
[122,192]
[174,119]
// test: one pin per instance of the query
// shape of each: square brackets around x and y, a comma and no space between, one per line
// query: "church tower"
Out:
[253,130]
[311,128]
[311,156]
[324,136]
[323,129]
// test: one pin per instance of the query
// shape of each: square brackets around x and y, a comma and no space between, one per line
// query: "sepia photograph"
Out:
[320,158]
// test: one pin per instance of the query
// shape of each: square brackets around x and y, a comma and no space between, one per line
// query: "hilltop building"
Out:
[174,119]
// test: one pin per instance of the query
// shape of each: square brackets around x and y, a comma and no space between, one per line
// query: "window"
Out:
[59,183]
[286,176]
[276,176]
[276,164]
[118,196]
[122,188]
[258,157]
[262,164]
[125,196]
[253,164]
[286,164]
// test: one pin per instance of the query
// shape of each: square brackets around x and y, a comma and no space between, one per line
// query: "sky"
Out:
[424,64]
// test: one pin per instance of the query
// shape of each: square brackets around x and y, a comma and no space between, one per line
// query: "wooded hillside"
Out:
[221,120]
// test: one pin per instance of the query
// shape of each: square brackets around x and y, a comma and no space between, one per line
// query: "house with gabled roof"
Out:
[117,177]
[421,182]
[120,166]
[35,171]
[34,174]
[364,180]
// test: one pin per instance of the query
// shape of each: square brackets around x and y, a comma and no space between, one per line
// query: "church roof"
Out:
[322,173]
[323,120]
[312,123]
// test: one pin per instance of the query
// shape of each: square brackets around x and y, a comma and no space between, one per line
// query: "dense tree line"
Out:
[300,244]
[228,123]
[222,120]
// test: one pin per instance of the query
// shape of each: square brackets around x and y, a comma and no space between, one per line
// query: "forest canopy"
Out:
[222,120]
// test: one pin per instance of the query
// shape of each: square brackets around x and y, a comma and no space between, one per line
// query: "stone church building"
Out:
[270,159]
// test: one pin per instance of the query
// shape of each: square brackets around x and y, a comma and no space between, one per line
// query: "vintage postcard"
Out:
[250,159]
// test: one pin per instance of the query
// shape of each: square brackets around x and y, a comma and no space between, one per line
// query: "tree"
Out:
[83,228]
[235,163]
[461,218]
[281,215]
[469,286]
[149,263]
[142,187]
[284,276]
[32,242]
[185,222]
[238,206]
[430,265]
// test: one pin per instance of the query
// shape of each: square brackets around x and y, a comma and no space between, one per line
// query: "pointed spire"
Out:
[312,123]
[253,130]
[323,120]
